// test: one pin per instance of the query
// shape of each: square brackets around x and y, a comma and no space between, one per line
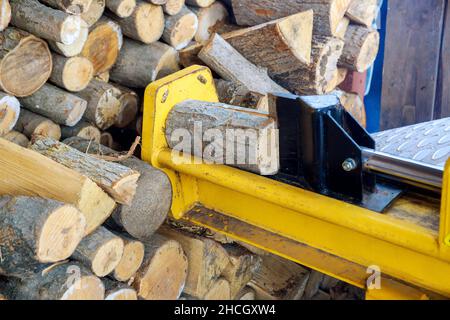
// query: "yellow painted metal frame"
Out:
[356,236]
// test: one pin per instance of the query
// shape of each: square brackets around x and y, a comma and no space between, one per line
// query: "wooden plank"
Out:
[413,42]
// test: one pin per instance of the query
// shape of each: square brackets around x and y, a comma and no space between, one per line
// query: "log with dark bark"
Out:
[239,95]
[75,7]
[56,104]
[32,124]
[82,129]
[26,62]
[129,106]
[9,113]
[36,230]
[72,74]
[118,291]
[180,29]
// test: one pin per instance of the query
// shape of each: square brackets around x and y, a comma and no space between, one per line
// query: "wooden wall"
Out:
[416,76]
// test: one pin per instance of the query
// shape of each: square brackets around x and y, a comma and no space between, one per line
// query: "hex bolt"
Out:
[349,165]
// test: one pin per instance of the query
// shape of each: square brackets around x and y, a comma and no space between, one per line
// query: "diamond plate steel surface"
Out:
[427,142]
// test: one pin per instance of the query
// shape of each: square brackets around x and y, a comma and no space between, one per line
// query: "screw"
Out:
[349,165]
[202,79]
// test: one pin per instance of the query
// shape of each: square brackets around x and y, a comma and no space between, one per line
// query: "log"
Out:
[36,230]
[74,49]
[252,144]
[361,48]
[104,76]
[246,294]
[26,62]
[239,95]
[9,113]
[5,14]
[103,104]
[312,285]
[230,65]
[353,103]
[338,78]
[157,2]
[101,251]
[17,138]
[72,74]
[172,7]
[118,181]
[180,29]
[220,290]
[241,268]
[206,258]
[146,23]
[68,281]
[25,172]
[56,104]
[129,106]
[118,291]
[121,8]
[94,12]
[45,22]
[31,124]
[189,55]
[82,129]
[327,13]
[153,197]
[363,12]
[75,7]
[131,260]
[162,276]
[200,3]
[341,30]
[106,139]
[103,45]
[140,64]
[210,20]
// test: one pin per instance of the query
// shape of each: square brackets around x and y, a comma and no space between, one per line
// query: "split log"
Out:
[69,281]
[101,251]
[25,172]
[230,65]
[75,7]
[9,113]
[200,3]
[210,20]
[118,291]
[246,294]
[5,14]
[26,62]
[361,48]
[45,22]
[139,64]
[353,103]
[17,138]
[118,181]
[172,7]
[95,12]
[241,268]
[56,104]
[238,95]
[207,260]
[153,197]
[327,13]
[363,12]
[103,45]
[220,290]
[107,139]
[36,231]
[32,124]
[74,49]
[252,145]
[146,23]
[339,77]
[162,276]
[82,129]
[131,260]
[121,8]
[342,28]
[180,29]
[72,74]
[103,104]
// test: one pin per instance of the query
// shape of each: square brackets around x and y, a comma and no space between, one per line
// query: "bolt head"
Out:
[349,165]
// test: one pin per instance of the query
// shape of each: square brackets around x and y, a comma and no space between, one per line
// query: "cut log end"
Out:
[128,109]
[173,7]
[95,11]
[369,51]
[5,14]
[149,23]
[132,258]
[47,128]
[17,138]
[181,29]
[77,74]
[220,290]
[85,288]
[200,3]
[123,191]
[70,30]
[9,113]
[107,257]
[74,49]
[122,294]
[123,8]
[210,20]
[338,8]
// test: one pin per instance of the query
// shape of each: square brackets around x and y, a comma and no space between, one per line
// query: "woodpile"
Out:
[75,70]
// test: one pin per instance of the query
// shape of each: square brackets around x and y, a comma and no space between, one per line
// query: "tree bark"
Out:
[153,197]
[103,104]
[131,260]
[26,62]
[36,230]
[180,29]
[25,172]
[210,20]
[9,113]
[75,7]
[74,49]
[56,104]
[32,124]
[17,138]
[72,74]
[5,14]
[94,12]
[82,129]
[121,8]
[163,274]
[118,181]
[45,22]
[139,64]
[238,95]
[172,7]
